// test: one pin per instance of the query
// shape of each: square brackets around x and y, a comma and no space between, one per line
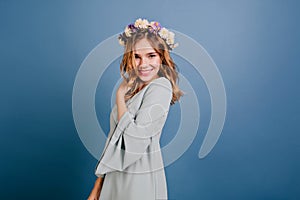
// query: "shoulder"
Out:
[160,88]
[159,92]
[161,82]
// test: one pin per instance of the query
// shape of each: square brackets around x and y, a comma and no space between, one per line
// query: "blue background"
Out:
[255,45]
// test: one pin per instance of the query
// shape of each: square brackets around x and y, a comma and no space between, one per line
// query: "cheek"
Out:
[136,62]
[156,61]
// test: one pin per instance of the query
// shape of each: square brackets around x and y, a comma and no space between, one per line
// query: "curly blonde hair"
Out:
[168,68]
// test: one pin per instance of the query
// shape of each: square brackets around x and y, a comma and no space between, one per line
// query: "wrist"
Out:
[99,181]
[121,93]
[120,97]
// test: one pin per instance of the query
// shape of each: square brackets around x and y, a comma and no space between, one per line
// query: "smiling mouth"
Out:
[145,71]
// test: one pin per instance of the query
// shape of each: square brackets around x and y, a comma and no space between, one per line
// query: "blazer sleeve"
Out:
[133,133]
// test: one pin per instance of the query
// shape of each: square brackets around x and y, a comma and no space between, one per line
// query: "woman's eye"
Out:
[152,56]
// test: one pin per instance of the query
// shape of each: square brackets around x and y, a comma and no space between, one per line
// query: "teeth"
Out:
[143,70]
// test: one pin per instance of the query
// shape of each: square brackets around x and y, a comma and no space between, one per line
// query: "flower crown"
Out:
[152,27]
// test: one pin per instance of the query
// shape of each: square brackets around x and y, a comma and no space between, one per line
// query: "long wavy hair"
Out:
[168,68]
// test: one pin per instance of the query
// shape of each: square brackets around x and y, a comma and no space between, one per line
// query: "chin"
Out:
[146,79]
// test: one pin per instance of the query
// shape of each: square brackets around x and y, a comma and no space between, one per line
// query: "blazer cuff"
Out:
[122,124]
[125,120]
[100,175]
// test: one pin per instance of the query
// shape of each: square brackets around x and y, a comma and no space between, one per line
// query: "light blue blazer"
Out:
[131,161]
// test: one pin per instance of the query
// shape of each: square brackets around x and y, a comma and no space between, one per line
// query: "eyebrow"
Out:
[153,52]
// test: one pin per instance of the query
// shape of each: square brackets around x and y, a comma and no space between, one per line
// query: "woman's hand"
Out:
[95,193]
[120,99]
[123,88]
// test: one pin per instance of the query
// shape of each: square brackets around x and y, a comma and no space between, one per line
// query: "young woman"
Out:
[131,165]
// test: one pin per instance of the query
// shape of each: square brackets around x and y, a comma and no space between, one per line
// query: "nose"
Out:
[143,62]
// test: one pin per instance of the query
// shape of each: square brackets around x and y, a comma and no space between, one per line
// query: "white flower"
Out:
[145,24]
[121,42]
[138,22]
[127,31]
[141,23]
[170,38]
[170,41]
[164,33]
[171,35]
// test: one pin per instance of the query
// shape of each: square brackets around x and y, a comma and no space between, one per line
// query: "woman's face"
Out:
[147,61]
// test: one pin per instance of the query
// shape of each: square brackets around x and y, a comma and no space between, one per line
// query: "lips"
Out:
[145,72]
